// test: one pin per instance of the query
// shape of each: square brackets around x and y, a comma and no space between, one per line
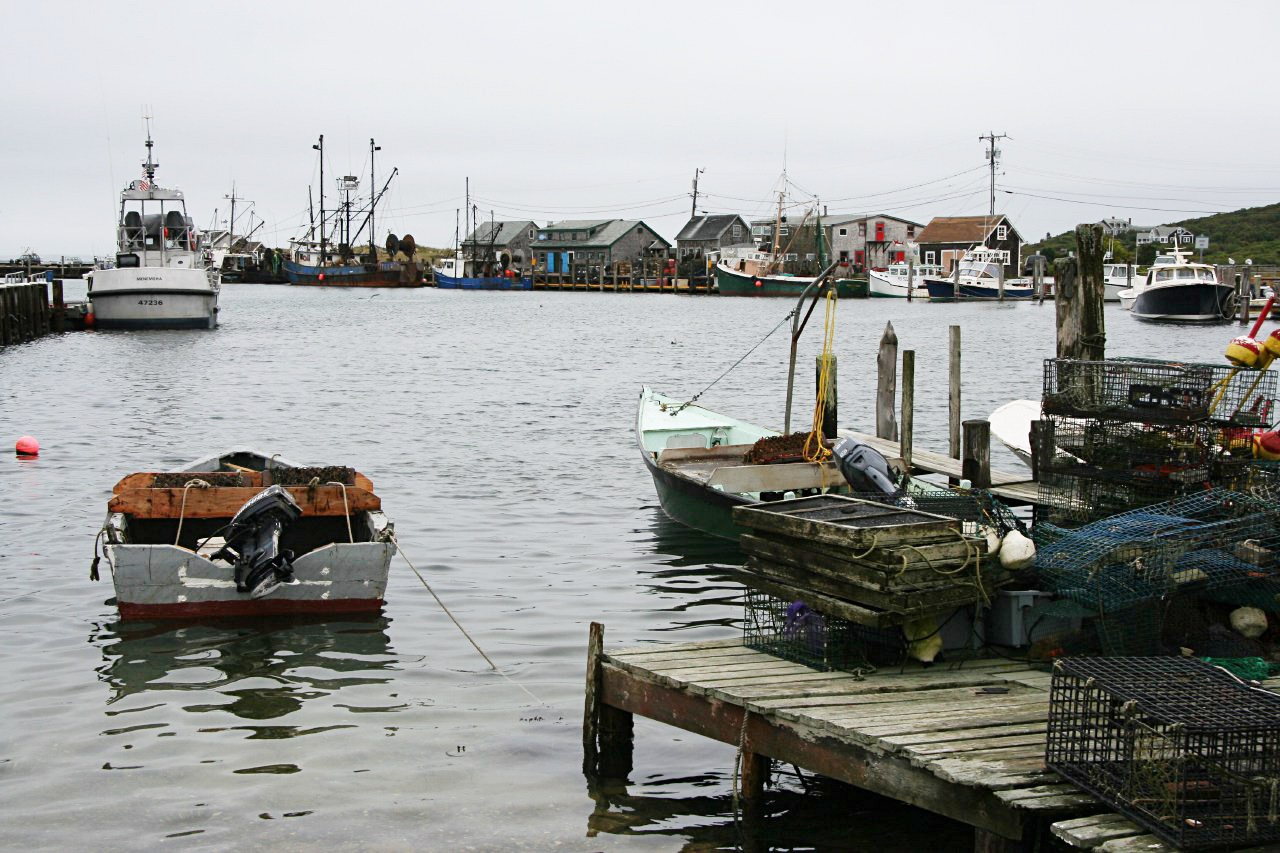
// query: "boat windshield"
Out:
[1207,275]
[1164,275]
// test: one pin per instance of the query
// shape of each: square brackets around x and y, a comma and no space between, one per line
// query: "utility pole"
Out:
[993,154]
[696,173]
[320,148]
[373,200]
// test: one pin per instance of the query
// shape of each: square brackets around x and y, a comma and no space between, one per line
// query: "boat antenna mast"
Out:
[373,201]
[149,167]
[993,156]
[320,147]
[231,227]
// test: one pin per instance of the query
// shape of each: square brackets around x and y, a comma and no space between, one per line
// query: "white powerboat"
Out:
[1115,278]
[1183,291]
[979,277]
[893,281]
[161,278]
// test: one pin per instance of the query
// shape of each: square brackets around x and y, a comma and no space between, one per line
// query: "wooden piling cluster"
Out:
[25,312]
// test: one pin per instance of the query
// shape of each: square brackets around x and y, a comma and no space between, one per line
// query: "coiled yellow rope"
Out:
[815,447]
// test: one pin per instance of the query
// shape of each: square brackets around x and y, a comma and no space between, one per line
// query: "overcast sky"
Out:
[572,110]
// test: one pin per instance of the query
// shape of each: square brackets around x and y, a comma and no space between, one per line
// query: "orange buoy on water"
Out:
[27,446]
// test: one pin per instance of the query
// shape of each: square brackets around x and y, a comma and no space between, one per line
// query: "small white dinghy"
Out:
[1011,424]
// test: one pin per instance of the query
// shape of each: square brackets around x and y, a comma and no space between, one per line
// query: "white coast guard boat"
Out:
[161,278]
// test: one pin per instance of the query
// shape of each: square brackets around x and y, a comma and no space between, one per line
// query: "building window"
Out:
[784,231]
[1002,232]
[879,232]
[859,257]
[844,232]
[929,258]
[862,229]
[844,256]
[911,231]
[737,231]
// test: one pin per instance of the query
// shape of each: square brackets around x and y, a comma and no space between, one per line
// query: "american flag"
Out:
[143,184]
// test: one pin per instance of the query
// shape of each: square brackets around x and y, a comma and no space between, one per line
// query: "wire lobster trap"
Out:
[1215,539]
[1183,748]
[973,507]
[1155,391]
[794,631]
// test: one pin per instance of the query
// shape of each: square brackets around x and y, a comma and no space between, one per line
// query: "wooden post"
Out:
[911,277]
[25,300]
[830,407]
[755,772]
[908,404]
[1042,449]
[976,464]
[606,731]
[1242,298]
[4,317]
[1000,282]
[953,413]
[1079,293]
[44,309]
[591,712]
[955,279]
[59,316]
[887,385]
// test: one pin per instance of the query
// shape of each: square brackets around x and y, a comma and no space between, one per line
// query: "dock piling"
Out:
[908,404]
[58,317]
[953,407]
[1079,293]
[607,732]
[887,384]
[830,401]
[976,464]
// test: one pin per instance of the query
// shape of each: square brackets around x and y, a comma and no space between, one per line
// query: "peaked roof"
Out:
[606,232]
[962,229]
[499,232]
[709,227]
[846,218]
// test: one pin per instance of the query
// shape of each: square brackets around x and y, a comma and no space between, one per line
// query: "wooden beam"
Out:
[976,465]
[224,502]
[887,385]
[908,405]
[814,749]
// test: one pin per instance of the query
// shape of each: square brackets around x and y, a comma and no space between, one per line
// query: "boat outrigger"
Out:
[246,534]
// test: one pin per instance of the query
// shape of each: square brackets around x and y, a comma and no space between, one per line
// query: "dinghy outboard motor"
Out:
[253,541]
[863,467]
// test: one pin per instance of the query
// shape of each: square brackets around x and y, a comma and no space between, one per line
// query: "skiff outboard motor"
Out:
[253,541]
[863,467]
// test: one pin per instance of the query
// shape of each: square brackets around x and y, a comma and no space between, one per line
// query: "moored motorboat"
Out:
[892,281]
[1183,291]
[979,277]
[1116,278]
[453,272]
[246,534]
[161,278]
[746,276]
[1011,425]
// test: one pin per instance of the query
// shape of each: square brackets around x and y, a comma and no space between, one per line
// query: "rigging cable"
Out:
[695,397]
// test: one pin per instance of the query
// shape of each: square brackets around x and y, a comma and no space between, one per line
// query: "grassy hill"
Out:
[1252,232]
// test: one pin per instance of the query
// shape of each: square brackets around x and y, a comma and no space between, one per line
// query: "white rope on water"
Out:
[488,660]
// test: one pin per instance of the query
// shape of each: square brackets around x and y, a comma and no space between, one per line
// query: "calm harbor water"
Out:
[498,430]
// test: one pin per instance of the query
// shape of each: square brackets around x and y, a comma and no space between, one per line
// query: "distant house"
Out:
[595,245]
[1173,235]
[1115,226]
[508,243]
[946,238]
[870,242]
[705,234]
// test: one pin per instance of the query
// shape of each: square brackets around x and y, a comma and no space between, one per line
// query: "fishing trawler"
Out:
[316,259]
[162,278]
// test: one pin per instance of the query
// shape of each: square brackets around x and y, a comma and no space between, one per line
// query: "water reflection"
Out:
[698,572]
[257,671]
[795,814]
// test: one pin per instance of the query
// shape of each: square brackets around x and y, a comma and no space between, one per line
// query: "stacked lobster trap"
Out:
[1182,747]
[1124,433]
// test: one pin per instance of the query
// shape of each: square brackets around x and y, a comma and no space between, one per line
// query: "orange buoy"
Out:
[89,319]
[1266,445]
[27,446]
[759,283]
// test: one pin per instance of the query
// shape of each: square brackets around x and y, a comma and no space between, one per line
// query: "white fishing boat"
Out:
[1183,291]
[246,534]
[892,281]
[1115,278]
[979,277]
[161,278]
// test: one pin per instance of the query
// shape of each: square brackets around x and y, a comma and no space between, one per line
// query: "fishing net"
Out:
[1211,540]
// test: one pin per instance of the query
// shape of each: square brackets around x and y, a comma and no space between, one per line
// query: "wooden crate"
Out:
[848,522]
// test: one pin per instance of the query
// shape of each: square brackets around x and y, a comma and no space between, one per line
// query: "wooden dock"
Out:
[964,740]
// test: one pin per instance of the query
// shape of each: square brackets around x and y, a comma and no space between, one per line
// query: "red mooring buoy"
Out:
[27,446]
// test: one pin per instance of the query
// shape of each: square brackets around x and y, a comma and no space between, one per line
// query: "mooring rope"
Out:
[346,509]
[687,403]
[182,511]
[487,659]
[819,452]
